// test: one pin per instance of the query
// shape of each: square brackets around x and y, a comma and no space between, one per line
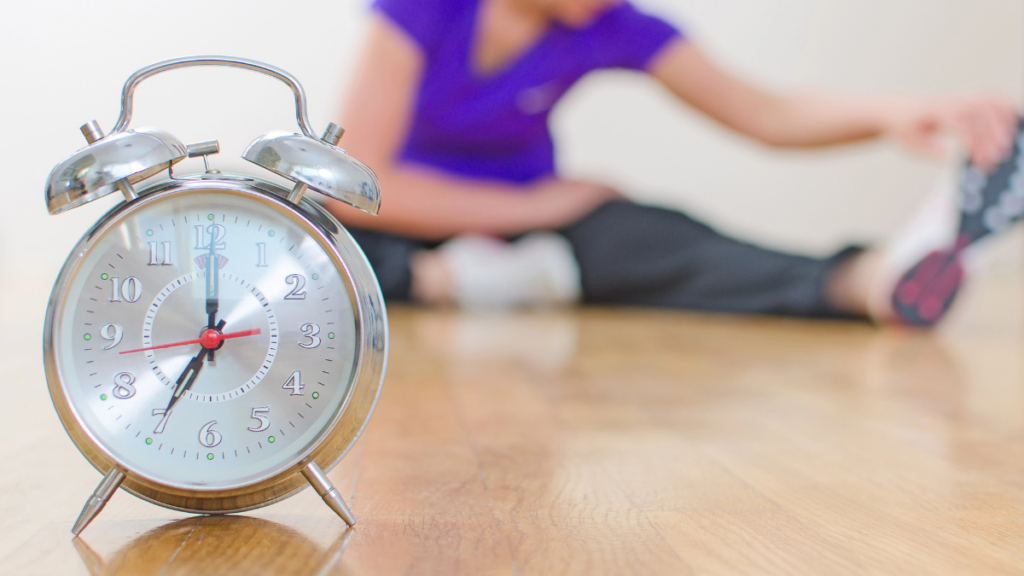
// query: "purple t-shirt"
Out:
[496,125]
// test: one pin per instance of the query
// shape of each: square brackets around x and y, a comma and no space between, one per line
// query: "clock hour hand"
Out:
[187,378]
[189,375]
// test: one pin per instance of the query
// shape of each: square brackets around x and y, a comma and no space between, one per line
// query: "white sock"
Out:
[539,269]
[932,227]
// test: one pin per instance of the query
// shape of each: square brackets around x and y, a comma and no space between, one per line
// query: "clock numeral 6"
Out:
[297,293]
[131,290]
[208,436]
[112,332]
[310,330]
[124,385]
[259,414]
[294,383]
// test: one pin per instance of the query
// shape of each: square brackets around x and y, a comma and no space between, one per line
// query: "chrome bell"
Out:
[319,165]
[125,157]
[110,164]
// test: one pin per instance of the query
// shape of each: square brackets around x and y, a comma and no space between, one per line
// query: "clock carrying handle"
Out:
[129,87]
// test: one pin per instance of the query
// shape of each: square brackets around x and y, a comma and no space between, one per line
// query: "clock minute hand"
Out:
[187,379]
[212,286]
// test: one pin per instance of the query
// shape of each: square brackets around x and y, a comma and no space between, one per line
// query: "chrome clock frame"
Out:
[346,425]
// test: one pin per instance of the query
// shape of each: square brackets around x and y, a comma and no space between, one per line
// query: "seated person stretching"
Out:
[450,106]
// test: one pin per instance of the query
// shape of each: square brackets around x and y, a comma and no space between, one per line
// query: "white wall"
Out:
[64,63]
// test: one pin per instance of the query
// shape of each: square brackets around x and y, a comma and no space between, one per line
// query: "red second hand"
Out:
[209,339]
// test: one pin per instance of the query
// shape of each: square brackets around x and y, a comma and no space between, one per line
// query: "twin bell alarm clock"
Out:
[215,342]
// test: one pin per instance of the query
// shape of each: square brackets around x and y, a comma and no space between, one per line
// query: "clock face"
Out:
[206,340]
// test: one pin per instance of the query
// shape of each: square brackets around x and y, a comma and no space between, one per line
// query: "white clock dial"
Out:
[207,340]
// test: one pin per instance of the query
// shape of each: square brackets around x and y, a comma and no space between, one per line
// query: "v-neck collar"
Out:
[510,65]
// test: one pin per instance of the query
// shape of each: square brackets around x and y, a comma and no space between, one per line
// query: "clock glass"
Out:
[207,339]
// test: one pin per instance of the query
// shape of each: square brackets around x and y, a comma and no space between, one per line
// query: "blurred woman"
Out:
[450,106]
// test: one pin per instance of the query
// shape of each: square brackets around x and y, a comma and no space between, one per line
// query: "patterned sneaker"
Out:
[989,204]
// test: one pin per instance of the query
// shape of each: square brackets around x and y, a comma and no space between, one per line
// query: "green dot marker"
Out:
[149,440]
[104,276]
[316,277]
[149,232]
[316,395]
[88,337]
[103,396]
[271,439]
[210,217]
[270,233]
[330,335]
[209,456]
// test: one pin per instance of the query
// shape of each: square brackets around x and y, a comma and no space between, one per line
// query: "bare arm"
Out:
[421,202]
[984,123]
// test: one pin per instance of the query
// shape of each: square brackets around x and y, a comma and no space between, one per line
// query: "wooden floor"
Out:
[597,442]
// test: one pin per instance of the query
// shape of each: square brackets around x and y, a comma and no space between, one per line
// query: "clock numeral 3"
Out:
[131,290]
[297,293]
[124,385]
[259,414]
[294,383]
[310,330]
[208,436]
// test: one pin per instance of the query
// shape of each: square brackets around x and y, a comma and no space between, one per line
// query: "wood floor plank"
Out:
[598,441]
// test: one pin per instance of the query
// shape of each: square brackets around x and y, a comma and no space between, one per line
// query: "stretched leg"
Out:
[390,257]
[639,255]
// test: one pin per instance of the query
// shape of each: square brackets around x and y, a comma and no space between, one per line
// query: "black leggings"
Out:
[637,255]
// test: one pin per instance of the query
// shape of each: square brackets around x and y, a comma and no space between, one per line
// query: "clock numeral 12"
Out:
[216,232]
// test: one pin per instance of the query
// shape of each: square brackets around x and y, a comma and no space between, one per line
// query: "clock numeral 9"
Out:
[259,414]
[131,290]
[208,436]
[112,332]
[294,383]
[124,385]
[297,293]
[310,330]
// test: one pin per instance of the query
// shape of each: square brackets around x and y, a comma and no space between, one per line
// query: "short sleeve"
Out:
[423,20]
[624,37]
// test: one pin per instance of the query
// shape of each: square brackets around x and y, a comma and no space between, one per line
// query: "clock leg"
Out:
[98,499]
[328,492]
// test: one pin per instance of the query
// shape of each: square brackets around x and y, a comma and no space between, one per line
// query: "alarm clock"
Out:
[216,342]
